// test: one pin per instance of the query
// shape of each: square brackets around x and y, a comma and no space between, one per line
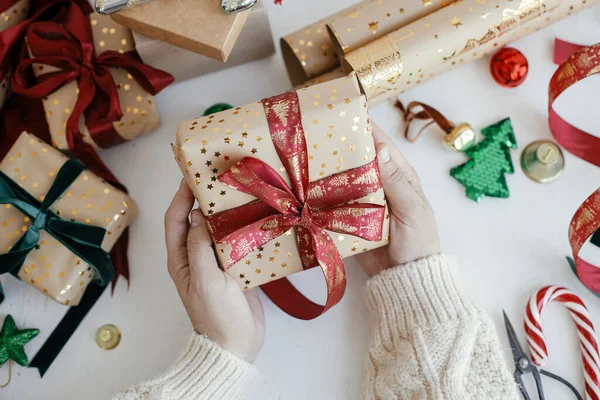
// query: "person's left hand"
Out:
[216,305]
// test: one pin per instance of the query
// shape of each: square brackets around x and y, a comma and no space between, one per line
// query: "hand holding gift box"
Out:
[58,221]
[287,184]
[92,83]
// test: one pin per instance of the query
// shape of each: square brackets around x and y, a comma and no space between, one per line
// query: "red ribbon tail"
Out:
[290,300]
[563,50]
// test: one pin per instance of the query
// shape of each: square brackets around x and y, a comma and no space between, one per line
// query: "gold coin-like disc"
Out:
[108,337]
[543,161]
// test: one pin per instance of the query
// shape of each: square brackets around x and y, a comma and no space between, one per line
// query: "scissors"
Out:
[524,366]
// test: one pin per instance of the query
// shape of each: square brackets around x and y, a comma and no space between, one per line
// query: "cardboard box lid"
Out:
[196,25]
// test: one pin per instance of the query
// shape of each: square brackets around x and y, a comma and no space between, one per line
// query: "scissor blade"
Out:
[515,346]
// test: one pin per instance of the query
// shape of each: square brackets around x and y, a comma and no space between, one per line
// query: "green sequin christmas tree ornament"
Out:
[484,173]
[12,342]
[215,108]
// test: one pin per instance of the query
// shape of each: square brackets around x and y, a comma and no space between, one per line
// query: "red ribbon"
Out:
[71,49]
[10,38]
[584,63]
[585,222]
[311,208]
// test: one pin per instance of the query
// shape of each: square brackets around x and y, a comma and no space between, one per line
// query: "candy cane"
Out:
[585,331]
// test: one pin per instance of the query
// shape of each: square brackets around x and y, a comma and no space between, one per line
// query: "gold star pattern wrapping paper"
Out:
[140,114]
[52,268]
[311,52]
[338,135]
[8,18]
[459,33]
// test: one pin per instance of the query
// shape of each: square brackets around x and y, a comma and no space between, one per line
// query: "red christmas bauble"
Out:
[509,67]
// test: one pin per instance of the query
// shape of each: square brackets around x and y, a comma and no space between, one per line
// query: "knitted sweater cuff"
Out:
[421,293]
[207,371]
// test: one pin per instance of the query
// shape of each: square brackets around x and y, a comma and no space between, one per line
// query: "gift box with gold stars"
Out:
[15,12]
[337,131]
[140,113]
[51,267]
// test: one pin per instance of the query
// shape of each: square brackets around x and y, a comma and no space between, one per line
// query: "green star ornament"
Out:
[12,342]
[490,160]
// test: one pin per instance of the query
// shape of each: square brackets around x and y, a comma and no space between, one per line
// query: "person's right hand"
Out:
[413,230]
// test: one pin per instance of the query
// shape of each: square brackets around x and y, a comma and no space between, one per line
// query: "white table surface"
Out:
[507,248]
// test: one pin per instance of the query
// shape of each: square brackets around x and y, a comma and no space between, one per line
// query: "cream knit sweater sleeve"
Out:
[430,342]
[204,372]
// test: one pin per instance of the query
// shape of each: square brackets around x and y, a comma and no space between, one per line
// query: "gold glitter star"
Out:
[197,174]
[426,3]
[342,138]
[342,114]
[273,275]
[254,151]
[329,106]
[258,271]
[277,244]
[258,138]
[242,276]
[241,143]
[373,26]
[244,135]
[259,256]
[209,186]
[271,259]
[456,22]
[223,193]
[248,262]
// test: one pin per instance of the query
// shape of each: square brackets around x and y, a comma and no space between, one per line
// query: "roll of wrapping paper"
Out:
[457,34]
[310,51]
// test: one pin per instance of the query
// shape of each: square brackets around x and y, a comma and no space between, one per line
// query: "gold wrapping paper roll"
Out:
[310,51]
[368,21]
[8,18]
[457,34]
[53,269]
[338,135]
[140,114]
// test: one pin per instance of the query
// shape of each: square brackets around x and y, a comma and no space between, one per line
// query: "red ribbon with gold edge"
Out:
[312,208]
[584,63]
[585,222]
[71,49]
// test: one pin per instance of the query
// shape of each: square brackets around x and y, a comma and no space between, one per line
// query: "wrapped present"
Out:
[58,220]
[103,97]
[287,184]
[199,26]
[310,51]
[255,42]
[11,13]
[461,33]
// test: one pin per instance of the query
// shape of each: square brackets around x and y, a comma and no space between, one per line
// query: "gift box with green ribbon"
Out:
[57,220]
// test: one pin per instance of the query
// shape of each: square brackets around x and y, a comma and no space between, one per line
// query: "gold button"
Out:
[542,161]
[108,337]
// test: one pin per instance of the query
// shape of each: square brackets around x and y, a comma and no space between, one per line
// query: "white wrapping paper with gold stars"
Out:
[52,268]
[140,114]
[338,137]
[9,17]
[462,32]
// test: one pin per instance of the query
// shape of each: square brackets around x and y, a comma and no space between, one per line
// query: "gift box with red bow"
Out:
[11,13]
[286,184]
[93,85]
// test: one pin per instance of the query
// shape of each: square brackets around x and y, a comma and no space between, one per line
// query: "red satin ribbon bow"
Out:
[311,208]
[70,48]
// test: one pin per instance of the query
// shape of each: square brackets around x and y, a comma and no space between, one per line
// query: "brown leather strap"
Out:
[427,113]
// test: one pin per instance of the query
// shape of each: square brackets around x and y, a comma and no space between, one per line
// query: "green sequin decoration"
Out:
[12,342]
[215,108]
[483,174]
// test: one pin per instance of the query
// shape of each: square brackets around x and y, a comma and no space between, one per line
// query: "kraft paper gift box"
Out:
[255,42]
[313,50]
[338,140]
[51,267]
[9,17]
[460,33]
[200,26]
[140,114]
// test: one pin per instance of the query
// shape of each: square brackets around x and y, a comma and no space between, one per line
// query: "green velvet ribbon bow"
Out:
[82,239]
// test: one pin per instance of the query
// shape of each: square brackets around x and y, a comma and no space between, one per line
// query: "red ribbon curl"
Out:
[584,63]
[328,204]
